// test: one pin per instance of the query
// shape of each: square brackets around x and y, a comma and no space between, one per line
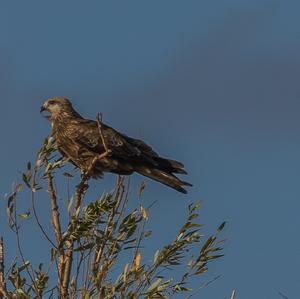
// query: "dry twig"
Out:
[3,290]
[233,294]
[80,191]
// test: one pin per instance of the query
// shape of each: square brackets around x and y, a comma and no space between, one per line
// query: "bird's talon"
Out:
[84,175]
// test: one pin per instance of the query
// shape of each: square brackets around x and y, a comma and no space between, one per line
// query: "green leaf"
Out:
[67,174]
[147,233]
[84,247]
[70,204]
[26,179]
[154,285]
[24,215]
[221,227]
[24,266]
[156,255]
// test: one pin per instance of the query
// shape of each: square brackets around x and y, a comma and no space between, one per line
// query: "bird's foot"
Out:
[107,153]
[83,184]
[85,176]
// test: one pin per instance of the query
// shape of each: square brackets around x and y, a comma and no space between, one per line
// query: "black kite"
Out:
[95,147]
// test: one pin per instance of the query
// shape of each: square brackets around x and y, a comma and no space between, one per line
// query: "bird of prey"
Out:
[94,147]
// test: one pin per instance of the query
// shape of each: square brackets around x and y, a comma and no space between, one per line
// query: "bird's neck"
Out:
[63,117]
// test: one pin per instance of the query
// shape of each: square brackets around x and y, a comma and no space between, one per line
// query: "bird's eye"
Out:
[51,102]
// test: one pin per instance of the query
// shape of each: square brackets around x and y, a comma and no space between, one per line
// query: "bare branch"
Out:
[81,189]
[54,207]
[3,290]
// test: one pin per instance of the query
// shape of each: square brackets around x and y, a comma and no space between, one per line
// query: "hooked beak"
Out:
[42,109]
[45,109]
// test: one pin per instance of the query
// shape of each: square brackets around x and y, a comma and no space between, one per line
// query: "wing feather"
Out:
[86,134]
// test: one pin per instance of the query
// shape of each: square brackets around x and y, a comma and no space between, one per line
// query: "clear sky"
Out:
[214,84]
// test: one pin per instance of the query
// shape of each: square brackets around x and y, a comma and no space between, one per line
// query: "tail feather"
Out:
[164,178]
[169,165]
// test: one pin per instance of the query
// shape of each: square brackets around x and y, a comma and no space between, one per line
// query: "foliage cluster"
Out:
[87,255]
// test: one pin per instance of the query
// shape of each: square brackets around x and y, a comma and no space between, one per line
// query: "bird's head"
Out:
[56,106]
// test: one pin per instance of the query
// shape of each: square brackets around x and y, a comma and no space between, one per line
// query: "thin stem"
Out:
[100,248]
[55,219]
[207,284]
[35,212]
[31,275]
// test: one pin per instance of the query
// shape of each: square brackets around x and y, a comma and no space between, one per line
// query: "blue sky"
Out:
[214,84]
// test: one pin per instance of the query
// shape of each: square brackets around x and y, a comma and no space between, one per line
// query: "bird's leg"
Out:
[83,185]
[87,173]
[84,176]
[84,179]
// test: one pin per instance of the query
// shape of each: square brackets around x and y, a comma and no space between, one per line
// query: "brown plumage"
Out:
[81,141]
